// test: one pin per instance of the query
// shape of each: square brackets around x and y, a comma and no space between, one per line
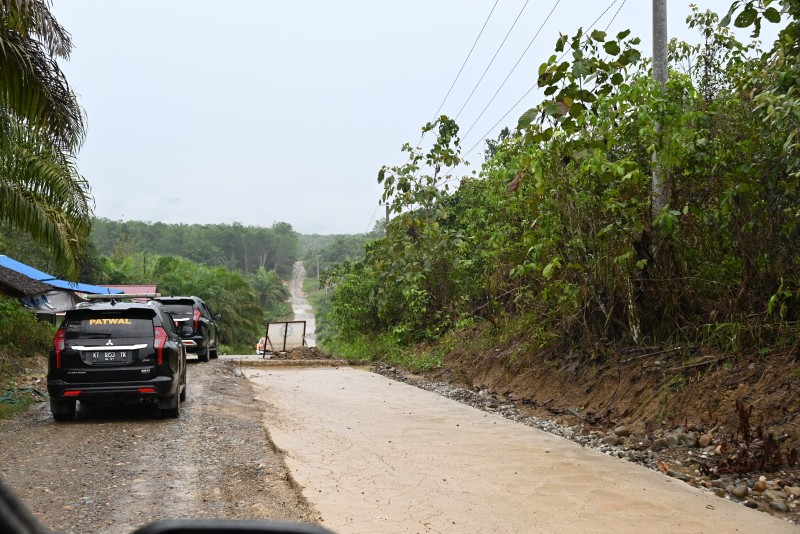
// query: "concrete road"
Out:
[378,456]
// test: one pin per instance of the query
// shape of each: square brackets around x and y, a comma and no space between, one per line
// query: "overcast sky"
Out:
[250,111]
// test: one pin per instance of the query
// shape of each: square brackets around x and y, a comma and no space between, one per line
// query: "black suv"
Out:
[195,324]
[116,351]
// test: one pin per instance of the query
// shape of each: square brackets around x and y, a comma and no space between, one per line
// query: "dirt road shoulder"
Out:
[115,469]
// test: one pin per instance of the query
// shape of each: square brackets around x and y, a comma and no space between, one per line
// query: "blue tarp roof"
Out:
[36,274]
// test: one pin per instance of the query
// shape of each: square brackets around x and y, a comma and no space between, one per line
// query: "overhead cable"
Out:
[369,224]
[512,68]
[492,61]
[435,115]
[615,14]
[483,138]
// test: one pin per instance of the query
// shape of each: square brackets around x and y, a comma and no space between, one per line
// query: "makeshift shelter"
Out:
[20,286]
[51,280]
[41,291]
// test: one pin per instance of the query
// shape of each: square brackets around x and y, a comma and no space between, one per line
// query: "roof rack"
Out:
[121,296]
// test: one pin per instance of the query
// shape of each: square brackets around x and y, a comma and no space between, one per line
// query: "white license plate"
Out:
[108,356]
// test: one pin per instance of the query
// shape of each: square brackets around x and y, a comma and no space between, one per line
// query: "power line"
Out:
[493,58]
[465,62]
[483,138]
[435,115]
[369,224]
[513,68]
[596,21]
[615,14]
[529,90]
[534,86]
[497,123]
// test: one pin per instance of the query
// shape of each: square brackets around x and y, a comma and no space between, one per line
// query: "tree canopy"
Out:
[234,246]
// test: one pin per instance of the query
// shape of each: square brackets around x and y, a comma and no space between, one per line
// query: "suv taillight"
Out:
[196,317]
[58,343]
[160,336]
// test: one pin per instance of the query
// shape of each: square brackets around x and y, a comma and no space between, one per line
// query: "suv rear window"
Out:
[179,308]
[108,325]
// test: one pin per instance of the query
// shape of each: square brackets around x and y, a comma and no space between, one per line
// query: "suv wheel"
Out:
[203,353]
[183,388]
[62,410]
[173,412]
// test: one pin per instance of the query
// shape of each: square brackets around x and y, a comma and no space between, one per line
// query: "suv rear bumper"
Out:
[161,387]
[194,343]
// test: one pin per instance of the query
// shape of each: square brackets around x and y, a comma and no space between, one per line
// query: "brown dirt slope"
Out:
[645,390]
[729,424]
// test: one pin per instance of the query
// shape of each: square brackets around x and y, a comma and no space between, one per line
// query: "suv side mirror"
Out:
[217,316]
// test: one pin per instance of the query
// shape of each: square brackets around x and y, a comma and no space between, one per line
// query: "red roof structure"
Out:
[134,290]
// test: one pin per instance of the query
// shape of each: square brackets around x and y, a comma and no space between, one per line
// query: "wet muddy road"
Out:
[114,469]
[378,456]
[352,450]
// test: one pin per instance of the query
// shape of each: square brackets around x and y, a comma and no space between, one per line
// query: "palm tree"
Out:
[41,129]
[269,288]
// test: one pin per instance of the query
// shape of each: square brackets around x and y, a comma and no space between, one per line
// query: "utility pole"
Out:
[388,209]
[660,74]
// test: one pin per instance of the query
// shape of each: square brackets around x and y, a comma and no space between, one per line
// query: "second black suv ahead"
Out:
[116,351]
[195,324]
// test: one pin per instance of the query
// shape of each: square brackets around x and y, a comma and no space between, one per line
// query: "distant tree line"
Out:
[233,246]
[325,251]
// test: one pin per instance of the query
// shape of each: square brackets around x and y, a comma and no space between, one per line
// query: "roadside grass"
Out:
[521,339]
[238,348]
[384,348]
[316,297]
[378,348]
[311,285]
[21,381]
[13,402]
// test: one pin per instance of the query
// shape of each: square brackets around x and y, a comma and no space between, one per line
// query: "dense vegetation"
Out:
[558,237]
[21,336]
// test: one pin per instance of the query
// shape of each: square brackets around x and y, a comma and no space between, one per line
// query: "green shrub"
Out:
[21,333]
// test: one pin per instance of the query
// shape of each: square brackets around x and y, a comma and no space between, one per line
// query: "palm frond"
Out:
[34,19]
[34,89]
[42,194]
